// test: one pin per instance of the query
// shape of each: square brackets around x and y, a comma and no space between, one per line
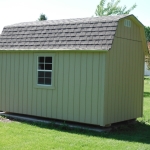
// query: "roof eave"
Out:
[55,50]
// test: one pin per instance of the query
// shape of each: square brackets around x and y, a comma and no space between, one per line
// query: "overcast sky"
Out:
[15,11]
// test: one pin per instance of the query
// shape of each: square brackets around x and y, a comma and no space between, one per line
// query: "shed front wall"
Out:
[78,86]
[124,76]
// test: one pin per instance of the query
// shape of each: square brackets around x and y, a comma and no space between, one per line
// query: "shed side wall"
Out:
[124,76]
[78,93]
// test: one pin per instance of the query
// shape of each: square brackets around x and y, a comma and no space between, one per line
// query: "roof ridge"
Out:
[70,21]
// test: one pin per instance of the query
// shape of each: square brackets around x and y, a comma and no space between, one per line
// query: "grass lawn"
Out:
[26,136]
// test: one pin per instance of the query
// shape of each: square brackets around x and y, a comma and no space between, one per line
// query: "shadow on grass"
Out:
[137,132]
[147,78]
[146,94]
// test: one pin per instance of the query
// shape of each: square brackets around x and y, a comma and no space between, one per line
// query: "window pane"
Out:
[48,81]
[41,59]
[41,67]
[44,70]
[41,74]
[40,80]
[48,74]
[48,59]
[48,66]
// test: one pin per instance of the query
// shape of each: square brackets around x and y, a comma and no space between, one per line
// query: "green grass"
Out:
[27,136]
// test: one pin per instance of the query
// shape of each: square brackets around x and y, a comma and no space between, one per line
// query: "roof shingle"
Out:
[94,33]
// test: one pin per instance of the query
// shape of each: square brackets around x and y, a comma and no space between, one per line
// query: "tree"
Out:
[42,17]
[147,33]
[148,62]
[112,8]
[147,57]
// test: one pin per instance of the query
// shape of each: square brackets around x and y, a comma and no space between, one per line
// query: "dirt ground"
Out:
[3,119]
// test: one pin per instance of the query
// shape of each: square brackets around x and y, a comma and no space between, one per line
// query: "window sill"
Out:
[50,87]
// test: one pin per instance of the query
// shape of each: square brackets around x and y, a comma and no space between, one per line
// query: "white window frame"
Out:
[127,23]
[36,62]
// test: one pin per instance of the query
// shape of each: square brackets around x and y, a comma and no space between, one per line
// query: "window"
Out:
[127,23]
[44,70]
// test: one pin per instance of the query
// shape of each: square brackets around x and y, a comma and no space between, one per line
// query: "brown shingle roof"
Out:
[96,33]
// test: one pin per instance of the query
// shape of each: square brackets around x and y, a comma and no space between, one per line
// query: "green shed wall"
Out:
[78,86]
[124,75]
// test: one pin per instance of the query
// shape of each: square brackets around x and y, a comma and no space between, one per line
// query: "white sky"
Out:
[15,11]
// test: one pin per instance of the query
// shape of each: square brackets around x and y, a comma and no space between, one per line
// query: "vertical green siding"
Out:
[60,86]
[71,86]
[89,85]
[124,81]
[20,80]
[7,81]
[12,84]
[78,86]
[132,32]
[3,81]
[83,87]
[30,84]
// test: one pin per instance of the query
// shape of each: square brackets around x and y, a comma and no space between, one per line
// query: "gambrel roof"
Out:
[95,33]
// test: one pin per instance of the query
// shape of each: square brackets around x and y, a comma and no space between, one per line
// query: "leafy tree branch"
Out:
[112,8]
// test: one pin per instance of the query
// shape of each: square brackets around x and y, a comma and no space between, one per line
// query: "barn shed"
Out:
[87,70]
